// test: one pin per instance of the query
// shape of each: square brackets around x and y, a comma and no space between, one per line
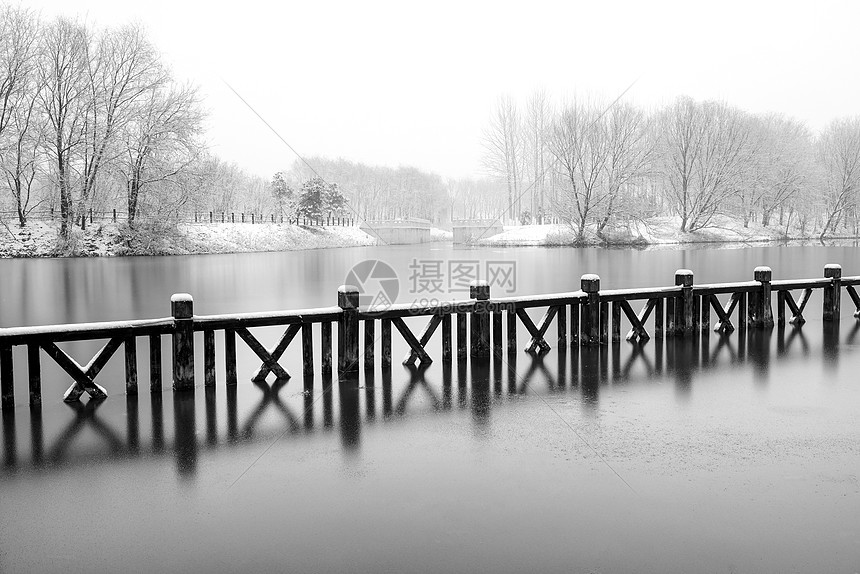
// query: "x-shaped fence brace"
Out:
[83,376]
[269,358]
[637,322]
[417,346]
[797,307]
[855,298]
[724,314]
[537,331]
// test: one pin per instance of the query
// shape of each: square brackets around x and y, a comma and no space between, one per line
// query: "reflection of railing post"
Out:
[182,308]
[347,333]
[761,311]
[590,285]
[684,305]
[480,321]
[833,292]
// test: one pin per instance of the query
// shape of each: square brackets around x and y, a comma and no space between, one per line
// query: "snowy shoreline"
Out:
[40,239]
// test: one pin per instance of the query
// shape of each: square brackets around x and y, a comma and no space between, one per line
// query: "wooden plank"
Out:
[7,378]
[616,320]
[307,351]
[497,333]
[369,342]
[411,340]
[780,308]
[670,316]
[230,357]
[155,363]
[34,370]
[561,322]
[446,337]
[604,322]
[705,320]
[462,341]
[385,343]
[658,317]
[208,358]
[697,313]
[326,343]
[266,319]
[85,331]
[574,323]
[130,345]
[512,331]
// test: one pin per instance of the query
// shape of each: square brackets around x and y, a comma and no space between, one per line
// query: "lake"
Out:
[720,454]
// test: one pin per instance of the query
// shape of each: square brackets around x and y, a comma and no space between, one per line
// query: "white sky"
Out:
[400,83]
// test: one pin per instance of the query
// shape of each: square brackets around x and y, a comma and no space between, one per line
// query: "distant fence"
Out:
[682,310]
[195,217]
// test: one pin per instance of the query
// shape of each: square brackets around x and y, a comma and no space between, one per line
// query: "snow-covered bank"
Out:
[41,239]
[658,231]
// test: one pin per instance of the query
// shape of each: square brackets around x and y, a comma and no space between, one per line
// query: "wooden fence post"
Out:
[684,306]
[762,307]
[480,321]
[833,292]
[590,335]
[7,378]
[347,333]
[182,308]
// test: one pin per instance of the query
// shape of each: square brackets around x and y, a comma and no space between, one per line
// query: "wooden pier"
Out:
[588,316]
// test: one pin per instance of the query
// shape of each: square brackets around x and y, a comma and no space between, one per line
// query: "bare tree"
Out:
[161,140]
[702,157]
[629,153]
[123,74]
[581,150]
[64,100]
[503,145]
[839,160]
[537,126]
[786,157]
[21,127]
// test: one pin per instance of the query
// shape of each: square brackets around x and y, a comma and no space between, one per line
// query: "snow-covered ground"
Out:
[655,232]
[437,234]
[40,239]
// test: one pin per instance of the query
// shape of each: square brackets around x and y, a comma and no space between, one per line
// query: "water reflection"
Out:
[62,435]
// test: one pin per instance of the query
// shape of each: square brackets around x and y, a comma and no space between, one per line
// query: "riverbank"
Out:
[652,233]
[41,239]
[108,239]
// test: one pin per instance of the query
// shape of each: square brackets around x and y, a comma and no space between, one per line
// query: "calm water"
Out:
[737,454]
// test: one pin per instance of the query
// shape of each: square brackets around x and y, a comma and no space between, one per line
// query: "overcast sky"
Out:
[414,83]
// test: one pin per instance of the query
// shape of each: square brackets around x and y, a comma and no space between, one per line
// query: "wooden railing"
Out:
[595,317]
